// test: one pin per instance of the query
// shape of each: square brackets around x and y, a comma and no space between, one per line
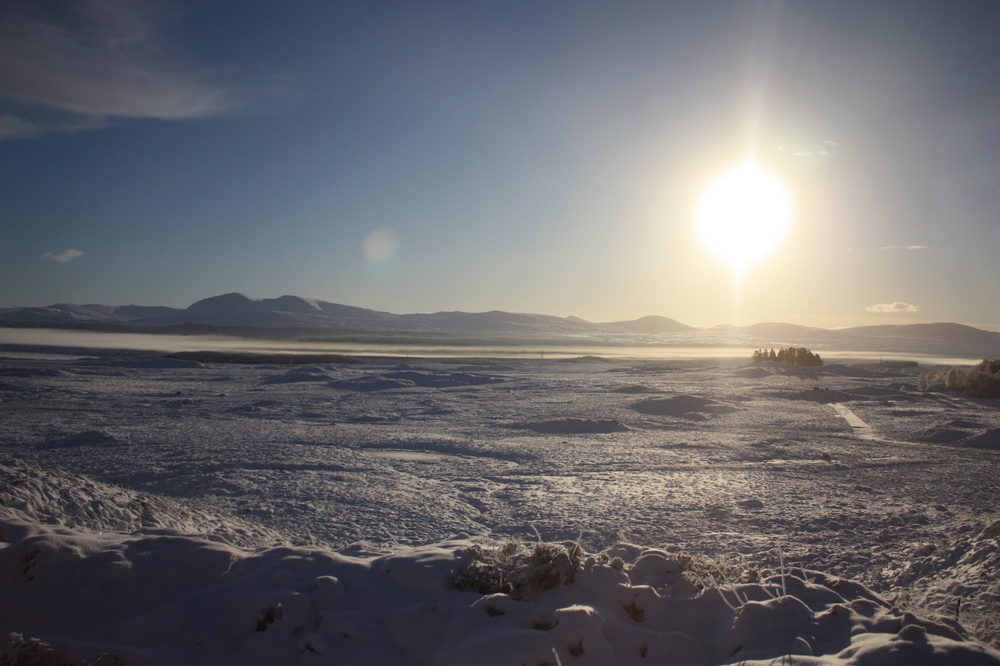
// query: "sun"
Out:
[743,215]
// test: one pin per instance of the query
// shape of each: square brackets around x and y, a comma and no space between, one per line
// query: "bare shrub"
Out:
[521,570]
[23,651]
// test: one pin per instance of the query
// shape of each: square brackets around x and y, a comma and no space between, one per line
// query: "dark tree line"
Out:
[792,355]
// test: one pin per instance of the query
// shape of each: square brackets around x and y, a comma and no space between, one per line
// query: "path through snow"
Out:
[859,427]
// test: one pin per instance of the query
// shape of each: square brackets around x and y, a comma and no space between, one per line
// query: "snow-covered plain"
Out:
[169,512]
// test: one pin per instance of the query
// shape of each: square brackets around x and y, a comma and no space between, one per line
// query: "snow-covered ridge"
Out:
[294,311]
[65,313]
[240,310]
[84,575]
[285,312]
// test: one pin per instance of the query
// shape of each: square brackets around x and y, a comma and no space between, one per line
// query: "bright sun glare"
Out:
[743,215]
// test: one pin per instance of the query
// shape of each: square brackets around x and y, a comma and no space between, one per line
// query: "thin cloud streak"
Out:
[63,257]
[894,307]
[96,59]
[12,127]
[829,148]
[905,247]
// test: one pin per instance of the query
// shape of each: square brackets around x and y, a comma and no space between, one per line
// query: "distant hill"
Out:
[652,324]
[778,332]
[937,338]
[63,313]
[239,311]
[495,321]
[941,331]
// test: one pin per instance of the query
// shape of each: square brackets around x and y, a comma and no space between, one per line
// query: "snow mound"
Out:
[635,388]
[848,371]
[986,440]
[86,438]
[75,585]
[297,375]
[169,598]
[577,427]
[940,434]
[204,484]
[443,379]
[367,383]
[147,363]
[71,501]
[409,378]
[799,371]
[817,394]
[873,392]
[955,578]
[25,373]
[752,373]
[683,406]
[366,416]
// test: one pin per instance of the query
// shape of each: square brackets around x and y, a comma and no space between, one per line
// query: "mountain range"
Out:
[240,311]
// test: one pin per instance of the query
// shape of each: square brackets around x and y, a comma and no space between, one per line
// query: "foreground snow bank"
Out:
[158,596]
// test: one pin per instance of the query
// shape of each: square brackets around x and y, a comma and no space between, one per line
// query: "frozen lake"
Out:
[14,340]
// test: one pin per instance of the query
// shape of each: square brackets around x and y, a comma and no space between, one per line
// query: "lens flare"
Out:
[381,245]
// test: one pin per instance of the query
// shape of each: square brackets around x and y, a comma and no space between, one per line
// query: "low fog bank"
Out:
[681,346]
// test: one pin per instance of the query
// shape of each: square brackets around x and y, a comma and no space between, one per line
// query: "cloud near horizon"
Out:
[829,148]
[897,306]
[92,60]
[905,247]
[63,257]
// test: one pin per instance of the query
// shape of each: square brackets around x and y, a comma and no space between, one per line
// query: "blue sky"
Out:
[531,157]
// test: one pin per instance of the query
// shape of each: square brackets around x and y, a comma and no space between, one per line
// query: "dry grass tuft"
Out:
[521,570]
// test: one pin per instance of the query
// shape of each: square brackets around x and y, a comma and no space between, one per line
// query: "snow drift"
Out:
[87,570]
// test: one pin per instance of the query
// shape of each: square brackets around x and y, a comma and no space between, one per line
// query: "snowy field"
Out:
[167,512]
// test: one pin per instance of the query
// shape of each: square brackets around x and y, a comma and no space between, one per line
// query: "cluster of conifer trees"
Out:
[792,355]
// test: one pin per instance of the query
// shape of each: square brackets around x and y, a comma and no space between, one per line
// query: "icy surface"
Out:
[319,514]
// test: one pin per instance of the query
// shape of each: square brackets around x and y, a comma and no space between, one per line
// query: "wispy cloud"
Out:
[63,257]
[905,247]
[12,127]
[892,307]
[828,148]
[94,59]
[15,127]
